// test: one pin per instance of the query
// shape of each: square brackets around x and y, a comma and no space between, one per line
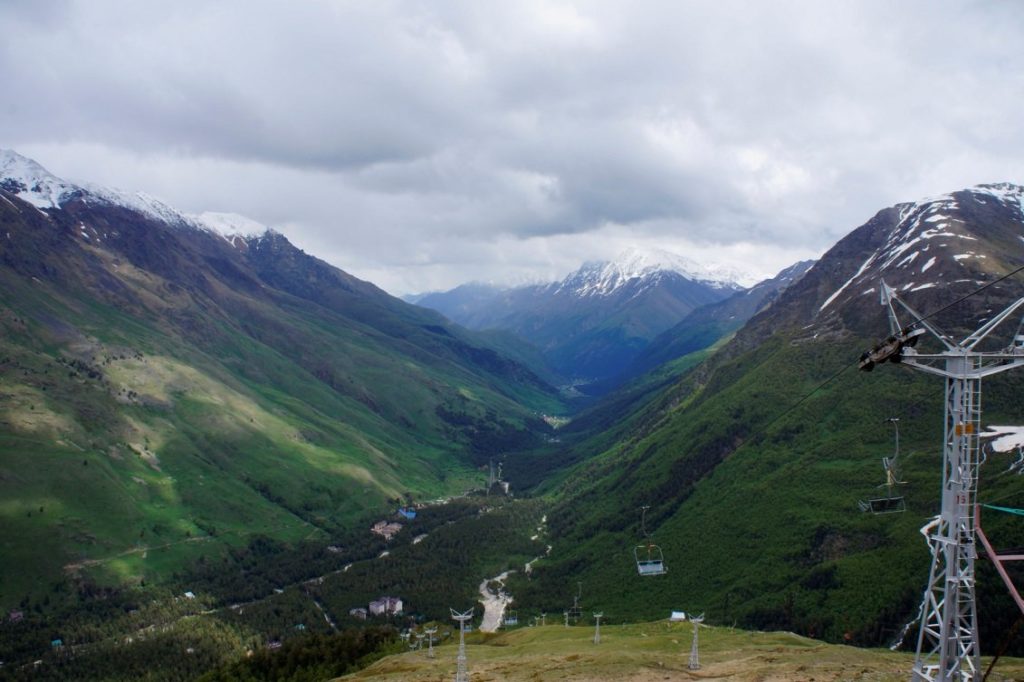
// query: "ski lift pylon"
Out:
[650,560]
[575,611]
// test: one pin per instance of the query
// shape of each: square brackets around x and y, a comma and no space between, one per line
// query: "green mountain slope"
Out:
[165,391]
[754,461]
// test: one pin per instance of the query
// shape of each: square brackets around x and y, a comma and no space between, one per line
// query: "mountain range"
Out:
[594,322]
[180,392]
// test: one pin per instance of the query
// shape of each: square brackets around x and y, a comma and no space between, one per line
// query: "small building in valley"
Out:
[385,529]
[386,606]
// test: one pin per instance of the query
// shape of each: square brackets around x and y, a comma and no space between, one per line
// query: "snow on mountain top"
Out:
[643,261]
[1004,192]
[602,278]
[933,230]
[229,225]
[31,182]
[34,184]
[140,202]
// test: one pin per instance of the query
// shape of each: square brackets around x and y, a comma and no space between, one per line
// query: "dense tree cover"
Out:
[311,658]
[268,592]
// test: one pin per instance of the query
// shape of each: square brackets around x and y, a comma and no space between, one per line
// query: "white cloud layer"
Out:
[424,144]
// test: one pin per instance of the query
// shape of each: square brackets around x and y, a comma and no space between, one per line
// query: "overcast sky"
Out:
[424,144]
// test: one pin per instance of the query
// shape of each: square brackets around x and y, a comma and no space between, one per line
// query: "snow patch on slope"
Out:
[1011,195]
[1005,438]
[864,266]
[229,225]
[921,222]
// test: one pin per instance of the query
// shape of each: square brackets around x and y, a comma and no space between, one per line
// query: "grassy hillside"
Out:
[755,504]
[117,439]
[753,462]
[158,403]
[645,652]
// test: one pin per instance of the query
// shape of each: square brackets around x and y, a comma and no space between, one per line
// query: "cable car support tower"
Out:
[461,673]
[947,645]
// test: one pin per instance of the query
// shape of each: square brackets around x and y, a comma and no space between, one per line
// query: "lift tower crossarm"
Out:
[889,295]
[971,341]
[987,363]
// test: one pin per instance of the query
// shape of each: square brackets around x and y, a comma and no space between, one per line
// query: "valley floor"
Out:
[654,651]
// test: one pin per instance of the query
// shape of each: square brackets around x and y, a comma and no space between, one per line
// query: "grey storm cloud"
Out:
[422,144]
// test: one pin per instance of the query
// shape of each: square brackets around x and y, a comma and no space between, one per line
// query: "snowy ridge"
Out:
[605,278]
[138,201]
[929,232]
[34,184]
[31,182]
[229,225]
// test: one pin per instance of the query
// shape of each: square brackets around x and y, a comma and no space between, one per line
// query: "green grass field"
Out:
[653,651]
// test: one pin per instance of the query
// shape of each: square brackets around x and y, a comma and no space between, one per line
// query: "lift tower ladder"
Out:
[947,645]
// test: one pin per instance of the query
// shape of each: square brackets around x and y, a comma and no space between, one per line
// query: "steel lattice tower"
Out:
[947,644]
[430,640]
[461,674]
[694,658]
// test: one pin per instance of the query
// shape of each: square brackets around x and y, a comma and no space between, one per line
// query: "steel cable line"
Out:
[763,430]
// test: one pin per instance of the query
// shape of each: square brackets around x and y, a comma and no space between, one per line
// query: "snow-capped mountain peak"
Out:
[31,182]
[602,278]
[933,242]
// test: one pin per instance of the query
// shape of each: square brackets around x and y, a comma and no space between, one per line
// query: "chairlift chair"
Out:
[511,618]
[649,559]
[891,503]
[883,505]
[648,556]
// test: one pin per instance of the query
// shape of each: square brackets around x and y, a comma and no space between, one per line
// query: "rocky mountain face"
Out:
[593,323]
[931,251]
[753,462]
[200,379]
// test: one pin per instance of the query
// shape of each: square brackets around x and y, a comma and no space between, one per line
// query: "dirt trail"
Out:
[494,602]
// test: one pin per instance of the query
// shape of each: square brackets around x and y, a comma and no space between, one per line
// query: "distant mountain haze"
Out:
[593,323]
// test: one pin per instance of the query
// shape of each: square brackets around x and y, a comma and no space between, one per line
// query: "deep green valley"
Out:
[198,432]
